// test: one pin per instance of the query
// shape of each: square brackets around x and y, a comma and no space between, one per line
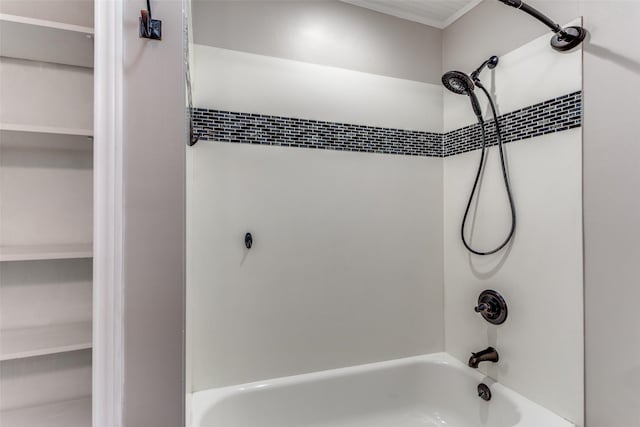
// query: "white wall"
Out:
[348,246]
[346,259]
[45,181]
[611,212]
[41,380]
[237,81]
[540,274]
[40,293]
[154,217]
[325,32]
[49,94]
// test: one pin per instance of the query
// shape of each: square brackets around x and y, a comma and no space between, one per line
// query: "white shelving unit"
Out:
[43,340]
[46,80]
[45,41]
[72,413]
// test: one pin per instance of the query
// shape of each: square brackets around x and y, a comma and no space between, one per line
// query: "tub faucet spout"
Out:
[488,355]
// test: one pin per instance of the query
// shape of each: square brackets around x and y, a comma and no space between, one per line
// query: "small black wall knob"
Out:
[248,240]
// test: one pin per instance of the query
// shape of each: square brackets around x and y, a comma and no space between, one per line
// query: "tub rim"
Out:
[200,402]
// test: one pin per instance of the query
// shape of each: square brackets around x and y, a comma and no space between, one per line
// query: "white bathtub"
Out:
[426,391]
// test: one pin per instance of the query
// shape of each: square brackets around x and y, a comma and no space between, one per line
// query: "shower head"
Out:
[463,84]
[458,82]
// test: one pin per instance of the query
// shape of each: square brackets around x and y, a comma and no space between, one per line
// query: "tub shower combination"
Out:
[429,390]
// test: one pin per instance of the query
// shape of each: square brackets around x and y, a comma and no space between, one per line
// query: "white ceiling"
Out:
[436,13]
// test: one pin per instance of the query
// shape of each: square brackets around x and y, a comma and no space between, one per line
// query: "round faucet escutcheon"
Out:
[492,307]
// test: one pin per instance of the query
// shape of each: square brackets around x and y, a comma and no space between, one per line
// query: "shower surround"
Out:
[345,179]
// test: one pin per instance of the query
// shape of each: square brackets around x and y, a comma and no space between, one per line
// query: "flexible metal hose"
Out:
[479,174]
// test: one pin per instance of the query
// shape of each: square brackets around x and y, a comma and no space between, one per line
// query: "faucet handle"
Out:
[492,307]
[484,308]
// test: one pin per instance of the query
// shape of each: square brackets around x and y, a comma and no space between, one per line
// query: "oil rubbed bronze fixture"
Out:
[492,307]
[564,39]
[460,83]
[484,392]
[489,354]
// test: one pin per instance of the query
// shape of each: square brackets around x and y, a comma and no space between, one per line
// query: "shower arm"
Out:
[519,4]
[564,39]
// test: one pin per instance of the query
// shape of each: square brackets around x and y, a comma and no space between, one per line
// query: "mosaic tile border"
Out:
[245,128]
[554,115]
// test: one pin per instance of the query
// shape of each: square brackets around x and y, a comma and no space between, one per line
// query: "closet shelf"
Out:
[71,413]
[42,252]
[45,129]
[40,341]
[45,139]
[46,41]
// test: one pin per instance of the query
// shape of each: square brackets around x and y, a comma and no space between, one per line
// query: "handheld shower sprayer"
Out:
[463,84]
[564,39]
[460,83]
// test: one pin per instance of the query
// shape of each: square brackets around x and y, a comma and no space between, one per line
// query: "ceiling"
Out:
[436,13]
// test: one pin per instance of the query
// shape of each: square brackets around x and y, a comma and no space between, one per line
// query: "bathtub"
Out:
[426,391]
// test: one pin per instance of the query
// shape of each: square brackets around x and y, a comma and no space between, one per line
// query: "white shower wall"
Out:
[347,246]
[540,273]
[243,82]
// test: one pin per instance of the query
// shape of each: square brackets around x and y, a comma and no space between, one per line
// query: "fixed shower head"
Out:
[458,82]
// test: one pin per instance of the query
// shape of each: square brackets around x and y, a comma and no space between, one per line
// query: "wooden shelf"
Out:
[72,413]
[42,252]
[44,138]
[40,341]
[47,41]
[45,129]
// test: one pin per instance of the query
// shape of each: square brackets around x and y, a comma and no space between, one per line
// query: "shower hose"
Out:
[505,176]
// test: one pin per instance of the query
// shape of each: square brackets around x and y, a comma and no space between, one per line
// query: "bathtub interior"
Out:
[409,395]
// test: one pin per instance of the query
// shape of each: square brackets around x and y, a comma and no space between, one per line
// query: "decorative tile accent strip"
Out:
[554,115]
[225,126]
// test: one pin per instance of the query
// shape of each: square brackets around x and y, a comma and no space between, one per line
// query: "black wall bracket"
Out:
[149,28]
